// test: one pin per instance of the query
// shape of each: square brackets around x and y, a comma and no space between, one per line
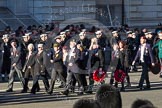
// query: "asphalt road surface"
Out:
[56,100]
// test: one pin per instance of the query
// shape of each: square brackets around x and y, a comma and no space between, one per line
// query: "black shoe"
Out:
[147,88]
[141,88]
[49,92]
[33,92]
[116,85]
[135,69]
[80,93]
[137,86]
[24,91]
[38,89]
[160,75]
[122,89]
[9,90]
[89,92]
[66,92]
[61,86]
[3,79]
[72,90]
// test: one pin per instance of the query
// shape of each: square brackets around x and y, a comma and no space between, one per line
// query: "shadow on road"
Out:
[24,98]
[154,86]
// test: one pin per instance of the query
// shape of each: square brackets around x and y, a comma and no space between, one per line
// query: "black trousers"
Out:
[11,77]
[28,72]
[54,74]
[144,75]
[35,81]
[83,80]
[6,66]
[70,79]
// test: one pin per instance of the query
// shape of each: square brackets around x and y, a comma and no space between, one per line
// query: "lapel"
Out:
[146,50]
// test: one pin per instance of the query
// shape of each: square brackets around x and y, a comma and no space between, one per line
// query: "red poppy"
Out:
[119,75]
[99,75]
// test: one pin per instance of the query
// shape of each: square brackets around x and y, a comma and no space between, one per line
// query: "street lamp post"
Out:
[123,12]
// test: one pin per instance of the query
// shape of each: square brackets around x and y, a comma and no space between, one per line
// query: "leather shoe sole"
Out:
[89,92]
[9,90]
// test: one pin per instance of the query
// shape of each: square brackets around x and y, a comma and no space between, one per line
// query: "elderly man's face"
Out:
[40,48]
[44,38]
[5,40]
[82,37]
[98,35]
[115,34]
[25,39]
[129,35]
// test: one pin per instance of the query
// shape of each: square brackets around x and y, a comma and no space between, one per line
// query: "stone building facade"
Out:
[108,12]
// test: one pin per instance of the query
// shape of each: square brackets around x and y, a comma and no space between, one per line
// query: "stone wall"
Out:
[60,10]
[137,12]
[144,12]
[3,3]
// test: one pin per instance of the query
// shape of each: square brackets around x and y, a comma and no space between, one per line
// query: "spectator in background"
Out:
[20,31]
[7,30]
[143,31]
[108,97]
[158,28]
[139,103]
[86,103]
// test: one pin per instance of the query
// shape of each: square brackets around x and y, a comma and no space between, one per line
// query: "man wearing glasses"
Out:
[47,45]
[40,69]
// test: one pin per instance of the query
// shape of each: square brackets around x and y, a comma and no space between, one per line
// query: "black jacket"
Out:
[95,56]
[57,60]
[39,67]
[123,59]
[74,60]
[16,58]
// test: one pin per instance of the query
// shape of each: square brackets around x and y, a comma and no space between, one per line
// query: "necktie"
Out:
[113,55]
[14,51]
